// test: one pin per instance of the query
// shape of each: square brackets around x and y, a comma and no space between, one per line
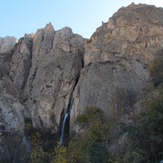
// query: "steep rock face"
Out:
[6,51]
[117,57]
[7,43]
[11,110]
[41,72]
[21,61]
[55,67]
[5,59]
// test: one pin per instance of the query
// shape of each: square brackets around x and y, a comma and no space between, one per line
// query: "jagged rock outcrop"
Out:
[11,117]
[21,61]
[116,59]
[44,68]
[11,110]
[37,78]
[6,49]
[7,43]
[55,67]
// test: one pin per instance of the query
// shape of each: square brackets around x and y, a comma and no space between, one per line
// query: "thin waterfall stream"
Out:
[64,121]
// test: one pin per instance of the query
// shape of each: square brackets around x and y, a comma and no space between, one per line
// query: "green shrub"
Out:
[14,148]
[91,146]
[145,134]
[60,154]
[42,143]
[96,151]
[94,123]
[156,71]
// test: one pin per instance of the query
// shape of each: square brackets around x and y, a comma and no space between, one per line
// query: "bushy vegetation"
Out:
[95,125]
[91,145]
[156,71]
[145,133]
[42,143]
[14,149]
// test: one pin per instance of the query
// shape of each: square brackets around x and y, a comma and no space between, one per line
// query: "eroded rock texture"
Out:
[116,58]
[55,66]
[7,43]
[39,75]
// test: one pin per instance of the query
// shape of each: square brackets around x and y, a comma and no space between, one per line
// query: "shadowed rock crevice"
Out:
[65,119]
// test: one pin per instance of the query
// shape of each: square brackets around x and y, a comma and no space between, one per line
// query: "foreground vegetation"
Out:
[145,133]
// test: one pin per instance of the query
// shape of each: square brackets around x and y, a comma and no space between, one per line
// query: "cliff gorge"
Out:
[40,75]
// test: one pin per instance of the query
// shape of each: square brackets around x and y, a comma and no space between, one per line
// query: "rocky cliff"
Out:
[117,57]
[44,68]
[41,74]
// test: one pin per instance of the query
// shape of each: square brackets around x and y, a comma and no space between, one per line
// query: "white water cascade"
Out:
[64,121]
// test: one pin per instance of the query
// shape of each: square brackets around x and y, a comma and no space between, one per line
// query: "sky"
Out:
[18,17]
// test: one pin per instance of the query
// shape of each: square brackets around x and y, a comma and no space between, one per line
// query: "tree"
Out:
[145,133]
[156,71]
[94,124]
[91,146]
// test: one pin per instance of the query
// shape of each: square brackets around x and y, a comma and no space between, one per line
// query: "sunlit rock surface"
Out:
[116,58]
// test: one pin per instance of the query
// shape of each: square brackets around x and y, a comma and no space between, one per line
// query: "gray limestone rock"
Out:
[42,71]
[7,43]
[116,59]
[11,110]
[21,61]
[56,63]
[5,59]
[11,115]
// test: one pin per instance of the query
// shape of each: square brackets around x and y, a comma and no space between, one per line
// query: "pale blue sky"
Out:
[83,16]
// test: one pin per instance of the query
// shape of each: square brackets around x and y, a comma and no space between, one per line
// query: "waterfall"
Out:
[64,121]
[63,128]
